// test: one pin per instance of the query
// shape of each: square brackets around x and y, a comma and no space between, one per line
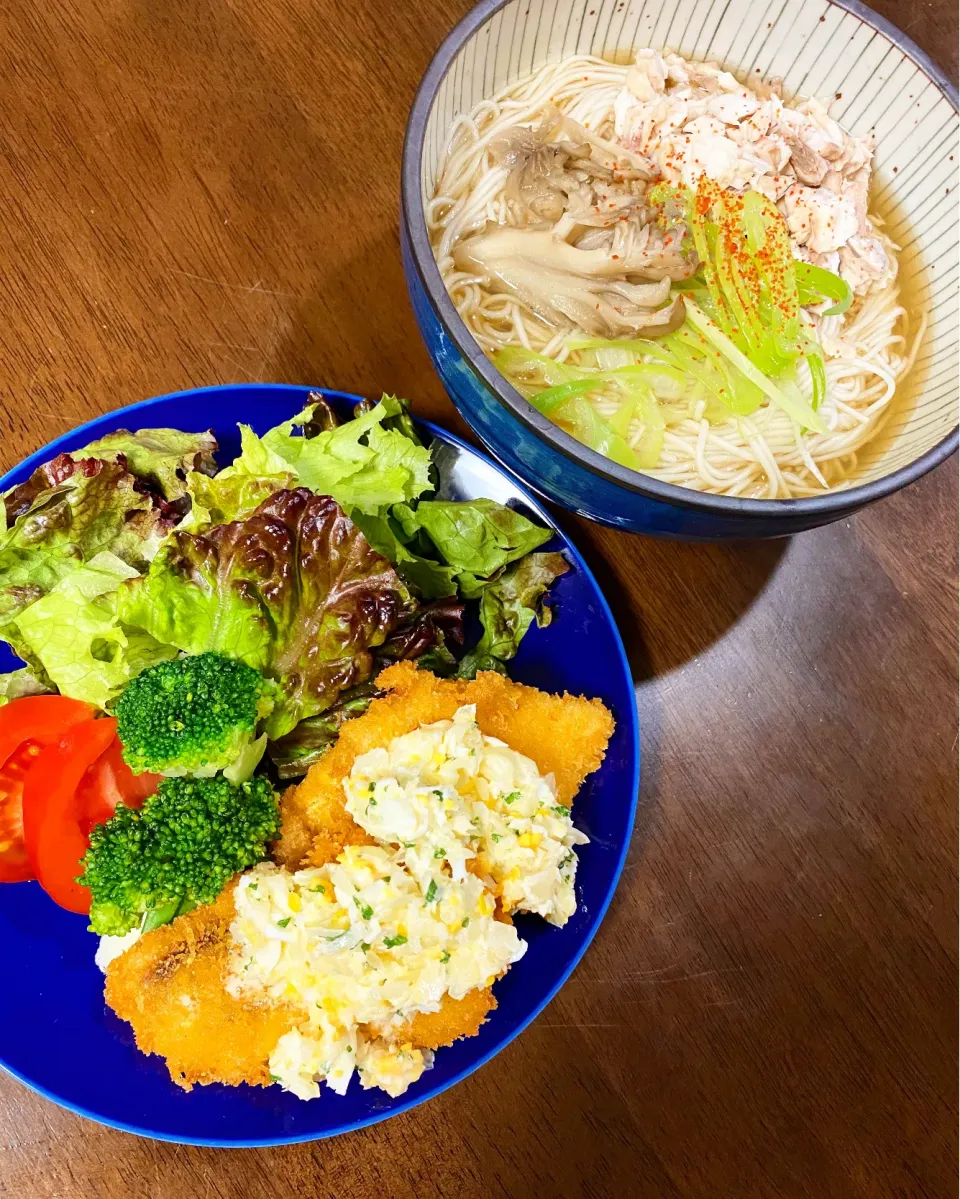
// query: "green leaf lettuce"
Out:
[294,590]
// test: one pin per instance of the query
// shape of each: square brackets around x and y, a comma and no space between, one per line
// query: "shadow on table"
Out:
[672,601]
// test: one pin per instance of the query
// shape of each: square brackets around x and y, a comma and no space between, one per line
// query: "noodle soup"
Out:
[683,271]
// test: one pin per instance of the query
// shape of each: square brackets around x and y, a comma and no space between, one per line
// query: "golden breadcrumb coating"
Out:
[565,735]
[170,984]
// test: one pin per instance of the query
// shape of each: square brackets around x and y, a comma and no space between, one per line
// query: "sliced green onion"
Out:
[547,400]
[578,416]
[814,282]
[538,368]
[798,409]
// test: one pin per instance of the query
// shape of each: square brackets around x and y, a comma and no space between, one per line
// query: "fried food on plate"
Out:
[565,735]
[171,984]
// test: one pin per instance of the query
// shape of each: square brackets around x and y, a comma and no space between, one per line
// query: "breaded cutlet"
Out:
[170,984]
[565,735]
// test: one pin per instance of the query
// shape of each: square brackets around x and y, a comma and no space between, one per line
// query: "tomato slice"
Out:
[14,863]
[110,781]
[52,821]
[39,718]
[26,725]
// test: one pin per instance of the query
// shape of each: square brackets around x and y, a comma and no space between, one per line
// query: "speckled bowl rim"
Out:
[414,223]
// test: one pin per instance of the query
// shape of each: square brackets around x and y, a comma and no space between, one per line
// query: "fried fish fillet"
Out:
[565,735]
[170,987]
[170,984]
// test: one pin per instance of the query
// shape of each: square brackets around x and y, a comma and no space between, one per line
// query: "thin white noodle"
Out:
[870,349]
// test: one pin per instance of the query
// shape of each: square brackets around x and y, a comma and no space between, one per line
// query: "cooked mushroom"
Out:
[564,284]
[560,160]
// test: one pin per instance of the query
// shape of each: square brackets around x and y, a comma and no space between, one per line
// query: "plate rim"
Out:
[43,454]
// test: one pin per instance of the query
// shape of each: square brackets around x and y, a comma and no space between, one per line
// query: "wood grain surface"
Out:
[193,193]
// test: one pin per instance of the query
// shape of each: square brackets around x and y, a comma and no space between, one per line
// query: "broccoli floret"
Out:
[191,716]
[181,849]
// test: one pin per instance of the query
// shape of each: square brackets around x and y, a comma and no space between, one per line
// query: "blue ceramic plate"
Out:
[56,1034]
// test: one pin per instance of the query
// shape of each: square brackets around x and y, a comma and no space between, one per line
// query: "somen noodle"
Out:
[765,453]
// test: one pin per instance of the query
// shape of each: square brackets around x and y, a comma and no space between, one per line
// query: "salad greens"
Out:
[507,608]
[161,457]
[478,538]
[322,553]
[74,634]
[363,464]
[63,516]
[743,343]
[293,590]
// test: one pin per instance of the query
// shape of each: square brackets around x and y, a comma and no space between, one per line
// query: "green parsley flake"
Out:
[431,891]
[439,853]
[364,945]
[512,797]
[284,922]
[318,889]
[392,942]
[465,922]
[366,911]
[445,957]
[274,1077]
[495,836]
[561,811]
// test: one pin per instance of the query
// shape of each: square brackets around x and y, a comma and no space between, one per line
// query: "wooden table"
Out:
[199,193]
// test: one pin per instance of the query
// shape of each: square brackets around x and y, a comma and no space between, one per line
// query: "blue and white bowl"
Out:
[837,48]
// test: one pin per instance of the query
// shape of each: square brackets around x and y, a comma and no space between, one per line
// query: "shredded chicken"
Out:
[696,119]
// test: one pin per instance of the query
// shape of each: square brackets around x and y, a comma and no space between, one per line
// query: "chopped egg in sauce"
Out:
[463,824]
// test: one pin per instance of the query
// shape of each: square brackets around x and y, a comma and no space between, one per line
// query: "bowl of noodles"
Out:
[690,271]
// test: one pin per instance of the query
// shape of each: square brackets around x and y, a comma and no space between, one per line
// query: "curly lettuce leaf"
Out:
[427,577]
[294,753]
[161,457]
[74,634]
[426,636]
[508,606]
[362,463]
[295,590]
[18,683]
[479,537]
[222,499]
[65,514]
